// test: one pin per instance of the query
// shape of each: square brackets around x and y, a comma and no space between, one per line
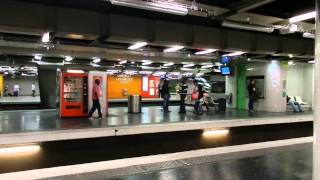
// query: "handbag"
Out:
[194,96]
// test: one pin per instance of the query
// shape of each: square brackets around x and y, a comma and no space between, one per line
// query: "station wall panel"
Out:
[172,32]
[293,45]
[309,46]
[125,27]
[238,39]
[78,21]
[267,42]
[206,37]
[21,15]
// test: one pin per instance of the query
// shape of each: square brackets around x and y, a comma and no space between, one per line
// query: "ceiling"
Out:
[211,12]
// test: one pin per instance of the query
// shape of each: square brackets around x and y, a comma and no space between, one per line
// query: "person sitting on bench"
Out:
[295,105]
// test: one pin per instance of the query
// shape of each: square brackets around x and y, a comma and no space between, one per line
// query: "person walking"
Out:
[252,93]
[199,100]
[165,94]
[6,89]
[16,89]
[183,94]
[96,93]
[33,89]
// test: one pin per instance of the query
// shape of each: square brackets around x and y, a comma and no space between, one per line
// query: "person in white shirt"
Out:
[16,89]
[33,88]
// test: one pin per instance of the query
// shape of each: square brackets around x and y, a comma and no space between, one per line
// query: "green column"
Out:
[241,86]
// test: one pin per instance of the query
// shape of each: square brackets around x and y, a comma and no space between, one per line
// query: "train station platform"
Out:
[28,126]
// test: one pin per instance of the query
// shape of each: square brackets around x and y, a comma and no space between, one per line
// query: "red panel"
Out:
[152,90]
[74,104]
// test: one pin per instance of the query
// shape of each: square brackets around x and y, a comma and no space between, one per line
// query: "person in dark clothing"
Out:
[165,94]
[198,104]
[96,93]
[183,94]
[251,92]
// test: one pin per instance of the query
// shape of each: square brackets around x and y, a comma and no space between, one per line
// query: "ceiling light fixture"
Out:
[308,35]
[146,63]
[290,55]
[302,17]
[173,49]
[37,57]
[96,60]
[45,37]
[207,66]
[207,51]
[168,64]
[123,62]
[165,7]
[188,65]
[290,63]
[311,62]
[68,58]
[137,45]
[238,53]
[75,71]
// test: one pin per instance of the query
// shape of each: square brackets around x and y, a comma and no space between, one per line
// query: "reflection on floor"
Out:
[289,164]
[20,100]
[44,120]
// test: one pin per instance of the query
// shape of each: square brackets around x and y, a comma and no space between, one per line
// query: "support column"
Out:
[316,123]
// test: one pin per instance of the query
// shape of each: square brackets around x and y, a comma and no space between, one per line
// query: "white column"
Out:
[316,123]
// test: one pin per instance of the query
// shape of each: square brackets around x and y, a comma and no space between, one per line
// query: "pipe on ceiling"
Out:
[250,27]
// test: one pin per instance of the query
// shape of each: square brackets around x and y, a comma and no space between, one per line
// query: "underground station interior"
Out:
[159,89]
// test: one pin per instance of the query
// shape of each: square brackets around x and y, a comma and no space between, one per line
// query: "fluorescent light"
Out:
[187,74]
[45,37]
[238,53]
[68,58]
[215,132]
[164,7]
[22,149]
[302,17]
[168,64]
[145,72]
[273,61]
[188,65]
[311,62]
[123,62]
[137,45]
[207,51]
[207,66]
[75,71]
[96,60]
[290,63]
[308,35]
[290,55]
[173,49]
[149,67]
[146,62]
[186,69]
[130,72]
[37,57]
[159,73]
[113,71]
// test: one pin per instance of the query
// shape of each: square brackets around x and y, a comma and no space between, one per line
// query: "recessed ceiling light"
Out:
[238,53]
[45,37]
[207,51]
[37,57]
[123,62]
[207,66]
[173,49]
[68,58]
[168,64]
[96,60]
[290,56]
[188,65]
[137,45]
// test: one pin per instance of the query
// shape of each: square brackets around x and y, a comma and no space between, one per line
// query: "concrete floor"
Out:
[46,120]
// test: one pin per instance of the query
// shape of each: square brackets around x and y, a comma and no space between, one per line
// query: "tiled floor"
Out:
[46,120]
[20,100]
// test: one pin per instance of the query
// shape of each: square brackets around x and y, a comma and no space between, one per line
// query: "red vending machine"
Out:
[73,94]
